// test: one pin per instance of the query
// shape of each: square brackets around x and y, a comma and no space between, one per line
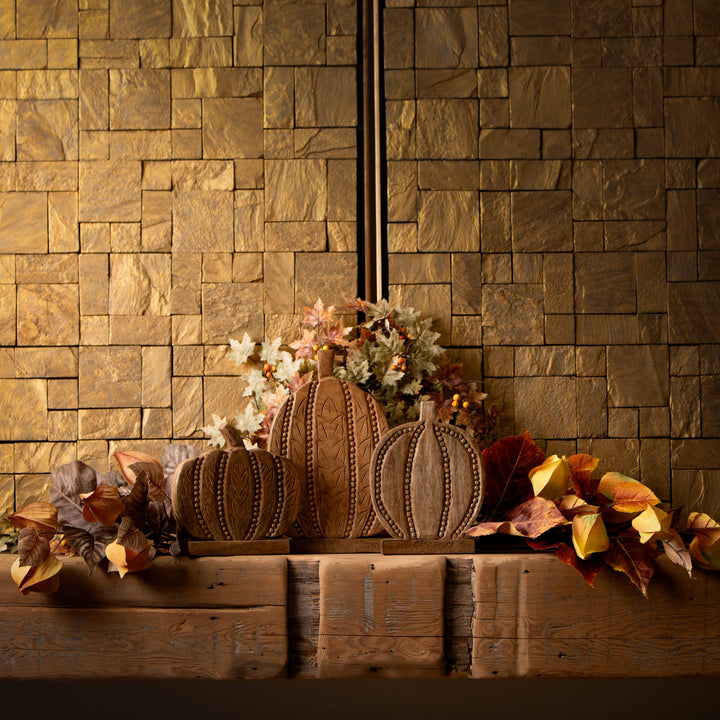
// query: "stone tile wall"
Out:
[554,199]
[172,172]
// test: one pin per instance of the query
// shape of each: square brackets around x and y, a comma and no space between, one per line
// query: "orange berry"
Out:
[316,347]
[326,346]
[266,367]
[274,368]
[454,403]
[456,397]
[268,374]
[466,405]
[393,367]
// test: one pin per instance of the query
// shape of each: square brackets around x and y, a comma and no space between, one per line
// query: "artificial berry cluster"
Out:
[456,402]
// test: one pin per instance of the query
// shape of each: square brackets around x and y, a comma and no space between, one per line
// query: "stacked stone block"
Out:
[172,174]
[553,170]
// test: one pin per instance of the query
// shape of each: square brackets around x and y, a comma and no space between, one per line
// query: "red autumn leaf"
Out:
[581,467]
[587,568]
[530,519]
[33,548]
[507,464]
[103,505]
[635,559]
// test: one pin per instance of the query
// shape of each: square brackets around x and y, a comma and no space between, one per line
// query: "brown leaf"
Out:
[33,547]
[530,519]
[40,515]
[581,468]
[127,459]
[587,568]
[130,537]
[90,546]
[68,482]
[103,505]
[137,501]
[635,559]
[507,464]
[154,477]
[676,551]
[42,578]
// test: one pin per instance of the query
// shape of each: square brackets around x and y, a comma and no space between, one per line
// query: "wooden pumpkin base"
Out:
[323,546]
[201,548]
[428,547]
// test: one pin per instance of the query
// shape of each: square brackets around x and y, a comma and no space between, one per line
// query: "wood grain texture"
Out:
[236,494]
[240,643]
[227,548]
[330,429]
[427,479]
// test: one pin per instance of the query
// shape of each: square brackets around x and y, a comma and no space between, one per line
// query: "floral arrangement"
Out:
[393,354]
[592,524]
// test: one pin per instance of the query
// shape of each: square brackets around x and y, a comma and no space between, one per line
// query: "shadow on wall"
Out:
[351,699]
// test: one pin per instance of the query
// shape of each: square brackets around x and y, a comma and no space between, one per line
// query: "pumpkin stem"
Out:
[232,436]
[326,362]
[427,411]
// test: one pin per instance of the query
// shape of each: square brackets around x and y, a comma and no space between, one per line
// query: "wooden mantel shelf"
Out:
[363,615]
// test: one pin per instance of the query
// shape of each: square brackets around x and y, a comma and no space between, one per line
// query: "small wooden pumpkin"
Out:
[236,494]
[427,479]
[330,428]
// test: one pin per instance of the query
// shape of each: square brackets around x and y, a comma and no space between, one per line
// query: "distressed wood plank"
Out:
[239,643]
[270,546]
[170,582]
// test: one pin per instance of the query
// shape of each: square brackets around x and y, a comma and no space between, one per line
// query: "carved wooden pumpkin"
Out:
[330,428]
[427,479]
[236,494]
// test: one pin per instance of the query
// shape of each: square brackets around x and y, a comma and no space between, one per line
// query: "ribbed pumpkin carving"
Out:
[427,479]
[330,428]
[236,494]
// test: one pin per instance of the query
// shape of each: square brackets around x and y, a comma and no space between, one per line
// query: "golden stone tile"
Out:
[186,279]
[186,113]
[7,20]
[325,97]
[231,309]
[140,144]
[202,221]
[187,404]
[249,174]
[342,236]
[62,425]
[23,218]
[156,221]
[94,453]
[56,176]
[217,361]
[156,423]
[48,315]
[8,115]
[110,191]
[46,362]
[139,99]
[216,82]
[222,396]
[62,394]
[187,144]
[341,50]
[154,52]
[7,174]
[140,19]
[278,92]
[7,362]
[7,269]
[8,84]
[154,448]
[247,267]
[7,458]
[186,329]
[283,325]
[433,301]
[249,36]
[110,377]
[94,330]
[143,330]
[62,53]
[94,145]
[338,272]
[47,84]
[217,268]
[203,175]
[98,53]
[8,314]
[106,423]
[93,26]
[94,282]
[47,130]
[23,54]
[279,282]
[325,143]
[125,237]
[94,99]
[223,139]
[42,457]
[201,52]
[187,360]
[7,495]
[466,330]
[296,190]
[31,488]
[209,19]
[294,34]
[58,268]
[295,236]
[402,237]
[279,144]
[156,175]
[156,370]
[62,212]
[46,18]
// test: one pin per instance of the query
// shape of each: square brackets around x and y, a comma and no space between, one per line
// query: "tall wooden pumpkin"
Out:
[427,479]
[236,494]
[330,428]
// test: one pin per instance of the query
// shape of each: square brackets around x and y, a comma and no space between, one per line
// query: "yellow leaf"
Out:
[550,480]
[628,495]
[705,547]
[589,535]
[41,515]
[126,560]
[651,521]
[126,459]
[42,578]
